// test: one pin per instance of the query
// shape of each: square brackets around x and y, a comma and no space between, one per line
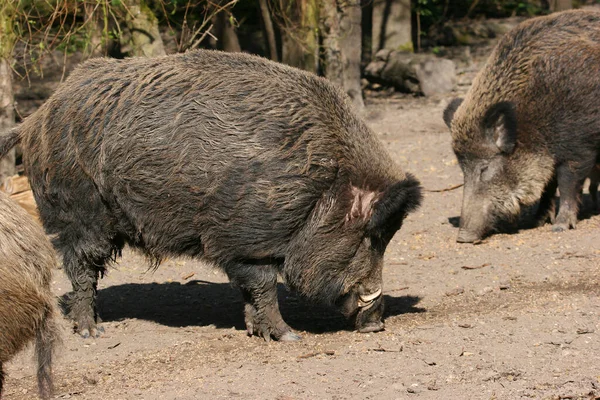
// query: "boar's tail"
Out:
[47,338]
[9,140]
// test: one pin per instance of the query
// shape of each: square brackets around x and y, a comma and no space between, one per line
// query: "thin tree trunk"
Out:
[270,32]
[227,39]
[415,26]
[545,5]
[418,32]
[350,43]
[561,5]
[333,64]
[299,40]
[94,47]
[145,35]
[366,25]
[341,46]
[7,118]
[7,111]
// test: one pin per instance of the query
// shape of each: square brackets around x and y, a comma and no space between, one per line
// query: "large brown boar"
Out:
[27,306]
[530,123]
[253,166]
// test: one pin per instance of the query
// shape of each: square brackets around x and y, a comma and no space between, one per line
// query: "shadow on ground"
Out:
[202,303]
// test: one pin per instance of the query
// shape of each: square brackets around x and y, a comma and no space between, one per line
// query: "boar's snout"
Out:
[370,315]
[467,236]
[474,216]
[367,308]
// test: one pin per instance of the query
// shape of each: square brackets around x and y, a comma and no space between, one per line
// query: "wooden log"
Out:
[18,189]
[26,200]
[16,184]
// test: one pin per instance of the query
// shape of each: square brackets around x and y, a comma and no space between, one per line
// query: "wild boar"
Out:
[530,123]
[256,167]
[27,305]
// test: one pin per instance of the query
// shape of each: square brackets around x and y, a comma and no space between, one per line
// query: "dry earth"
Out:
[513,317]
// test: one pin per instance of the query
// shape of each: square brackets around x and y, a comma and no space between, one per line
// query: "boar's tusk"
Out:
[367,300]
[370,297]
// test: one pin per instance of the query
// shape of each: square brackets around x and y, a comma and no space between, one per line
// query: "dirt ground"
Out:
[513,317]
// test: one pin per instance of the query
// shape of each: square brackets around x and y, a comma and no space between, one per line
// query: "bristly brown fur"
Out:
[27,305]
[547,70]
[227,157]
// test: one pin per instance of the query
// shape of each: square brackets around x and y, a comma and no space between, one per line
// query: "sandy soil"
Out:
[513,317]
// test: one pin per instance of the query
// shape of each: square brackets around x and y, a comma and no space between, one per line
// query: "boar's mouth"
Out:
[366,301]
[370,313]
[366,310]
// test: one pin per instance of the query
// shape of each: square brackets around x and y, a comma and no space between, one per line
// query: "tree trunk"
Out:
[341,45]
[93,30]
[7,111]
[143,25]
[366,32]
[269,31]
[299,39]
[561,5]
[7,118]
[415,24]
[329,24]
[350,40]
[227,39]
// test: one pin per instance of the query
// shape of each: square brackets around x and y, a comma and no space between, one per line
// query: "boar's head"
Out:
[500,172]
[337,259]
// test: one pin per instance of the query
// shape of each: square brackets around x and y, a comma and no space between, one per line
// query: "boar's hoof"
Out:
[369,327]
[290,337]
[560,227]
[89,330]
[268,324]
[267,333]
[468,237]
[80,308]
[565,221]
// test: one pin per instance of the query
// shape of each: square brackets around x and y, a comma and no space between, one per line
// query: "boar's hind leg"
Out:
[83,274]
[258,284]
[569,185]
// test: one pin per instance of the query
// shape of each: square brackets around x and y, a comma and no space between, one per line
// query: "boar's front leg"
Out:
[258,284]
[569,185]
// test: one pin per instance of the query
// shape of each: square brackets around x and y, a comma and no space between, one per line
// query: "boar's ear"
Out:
[500,126]
[395,203]
[451,109]
[362,204]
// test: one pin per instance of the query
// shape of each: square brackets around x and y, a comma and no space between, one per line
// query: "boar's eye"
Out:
[486,173]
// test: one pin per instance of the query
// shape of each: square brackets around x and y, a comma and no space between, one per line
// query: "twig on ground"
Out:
[446,189]
[317,353]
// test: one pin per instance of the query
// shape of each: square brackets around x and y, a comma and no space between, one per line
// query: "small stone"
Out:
[455,292]
[486,290]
